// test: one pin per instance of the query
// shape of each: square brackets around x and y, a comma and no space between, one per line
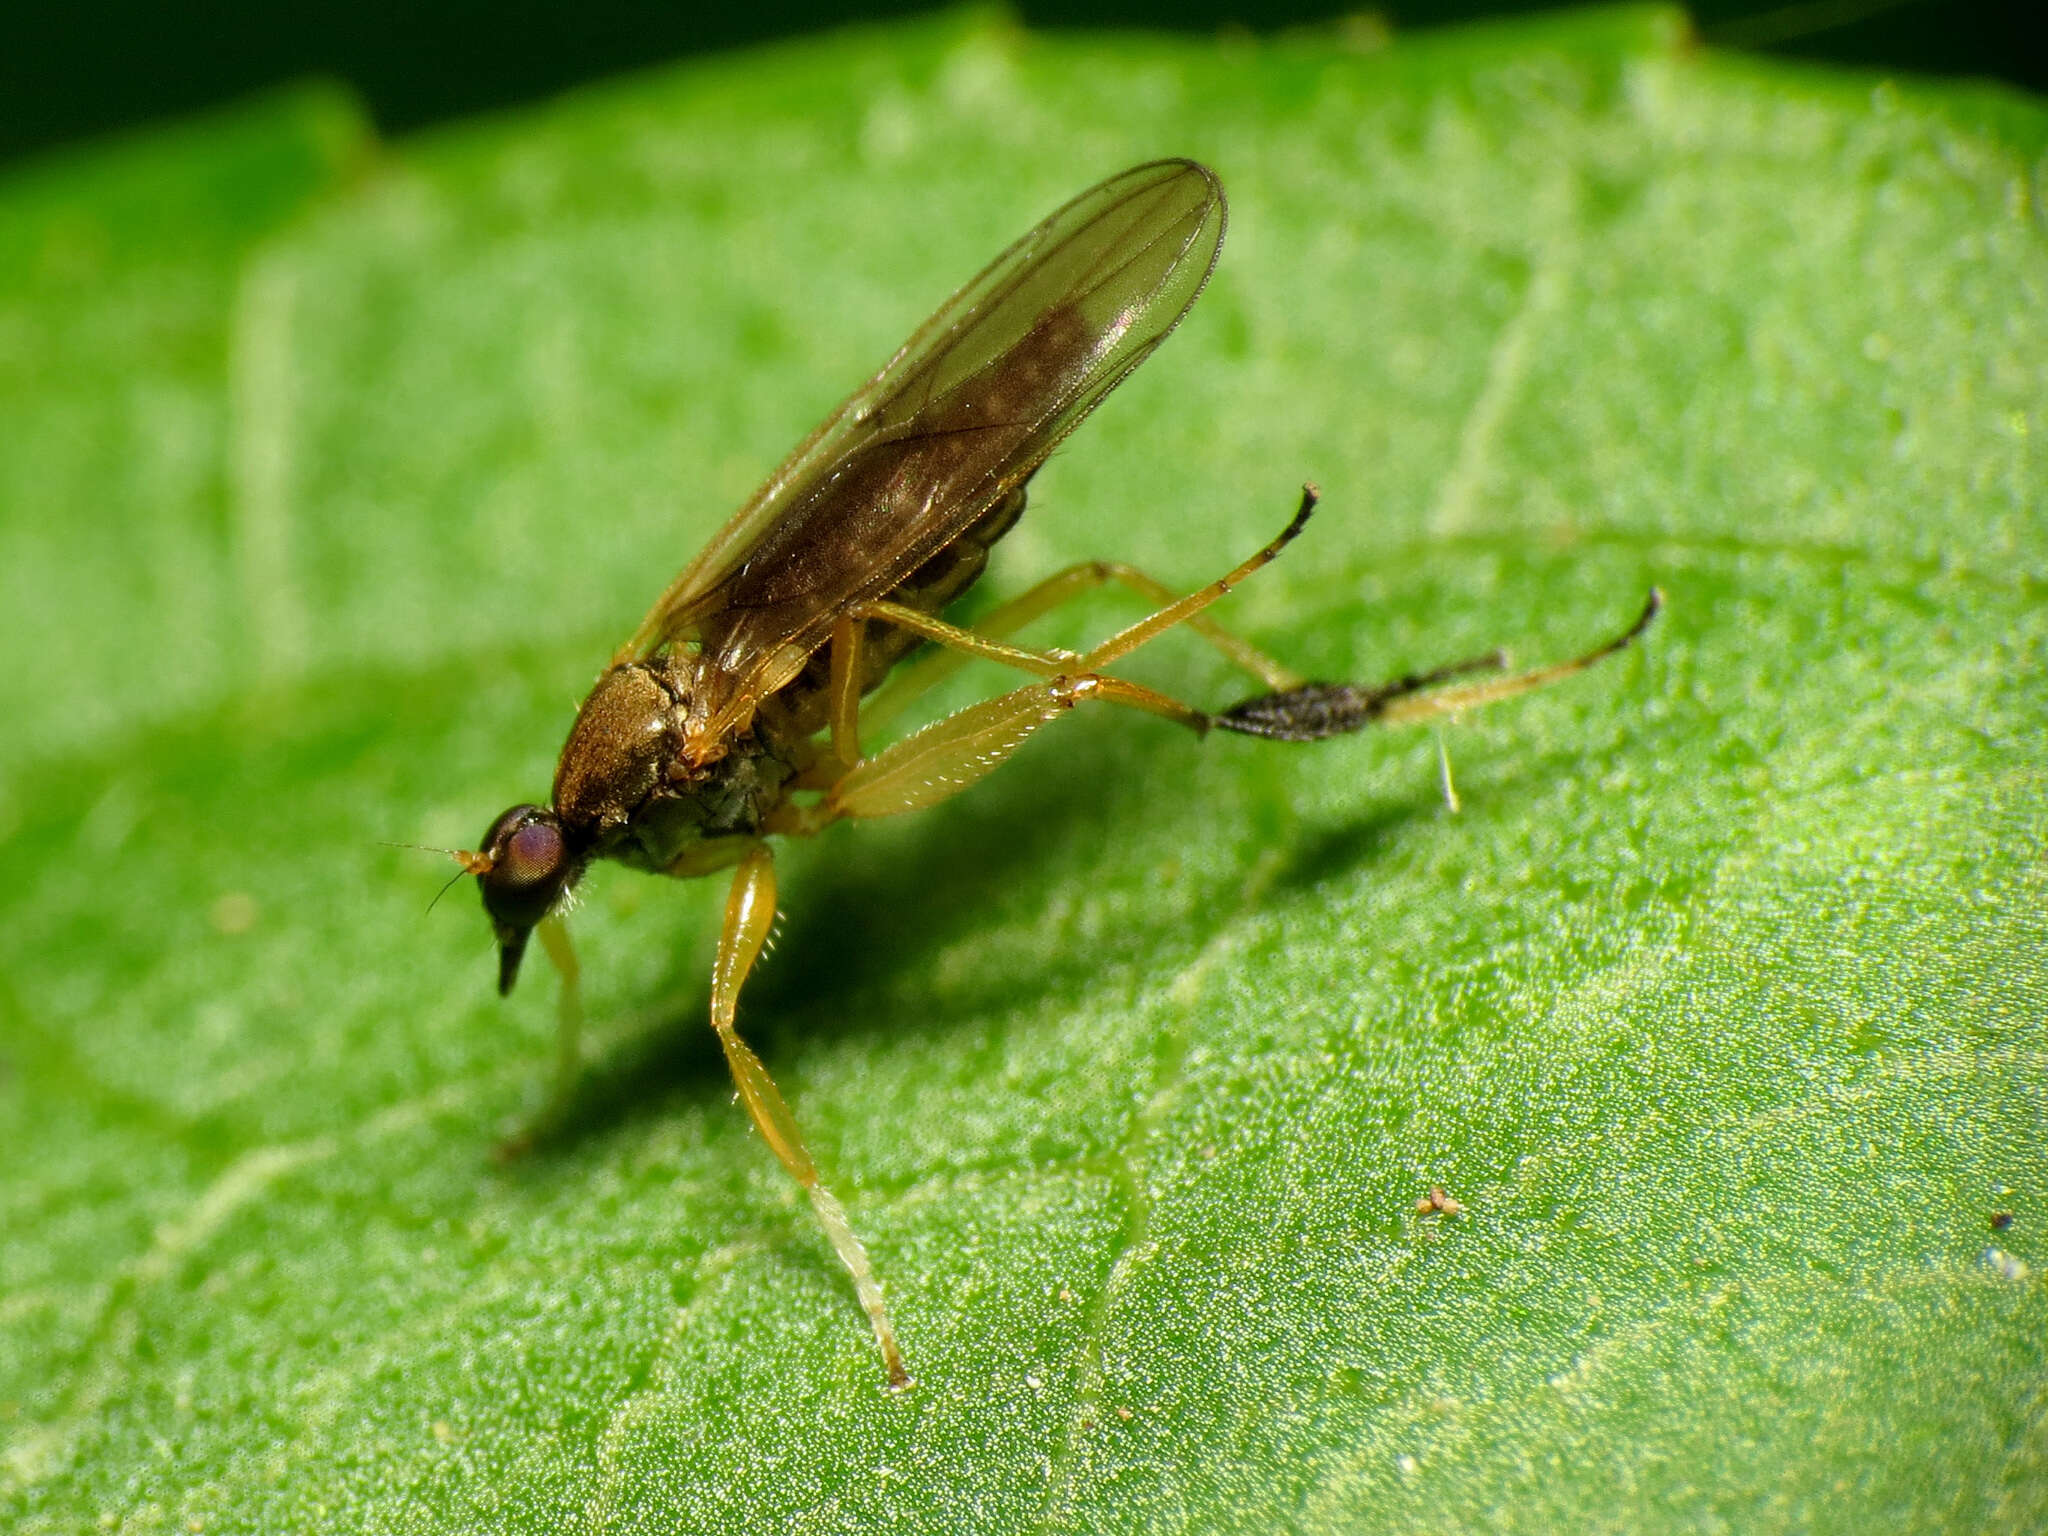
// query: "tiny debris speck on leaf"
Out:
[233,914]
[2008,1266]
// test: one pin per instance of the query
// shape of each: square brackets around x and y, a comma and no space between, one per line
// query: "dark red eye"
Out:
[532,853]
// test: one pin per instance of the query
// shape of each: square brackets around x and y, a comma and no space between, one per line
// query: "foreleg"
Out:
[749,914]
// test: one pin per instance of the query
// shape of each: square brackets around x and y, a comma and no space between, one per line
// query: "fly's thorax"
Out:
[619,750]
[640,780]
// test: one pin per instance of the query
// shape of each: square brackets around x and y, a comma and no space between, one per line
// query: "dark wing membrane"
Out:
[964,413]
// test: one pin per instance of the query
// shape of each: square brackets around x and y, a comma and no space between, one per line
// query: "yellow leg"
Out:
[1185,610]
[968,642]
[949,755]
[844,690]
[1472,695]
[554,939]
[749,913]
[920,676]
[961,645]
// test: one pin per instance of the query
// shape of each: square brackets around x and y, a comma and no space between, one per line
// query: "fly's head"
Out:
[524,869]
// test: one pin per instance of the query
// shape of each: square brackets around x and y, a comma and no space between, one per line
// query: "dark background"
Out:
[90,67]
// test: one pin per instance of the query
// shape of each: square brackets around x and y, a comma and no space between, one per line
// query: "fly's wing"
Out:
[964,413]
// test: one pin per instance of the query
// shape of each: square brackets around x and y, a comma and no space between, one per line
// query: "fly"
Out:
[747,703]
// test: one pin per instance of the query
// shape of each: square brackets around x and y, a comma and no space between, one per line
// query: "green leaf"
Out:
[329,476]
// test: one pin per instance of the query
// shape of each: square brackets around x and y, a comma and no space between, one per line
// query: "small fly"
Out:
[748,702]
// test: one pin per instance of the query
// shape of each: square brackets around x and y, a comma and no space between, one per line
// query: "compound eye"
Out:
[531,854]
[528,868]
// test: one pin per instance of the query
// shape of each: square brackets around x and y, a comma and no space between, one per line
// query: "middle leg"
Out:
[988,641]
[926,672]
